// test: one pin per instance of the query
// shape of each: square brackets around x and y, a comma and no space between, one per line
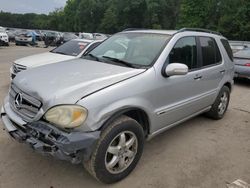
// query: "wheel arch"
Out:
[229,85]
[135,113]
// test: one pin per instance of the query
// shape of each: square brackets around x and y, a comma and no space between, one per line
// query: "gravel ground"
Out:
[198,153]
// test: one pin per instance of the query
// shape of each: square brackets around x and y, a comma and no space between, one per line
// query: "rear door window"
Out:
[210,52]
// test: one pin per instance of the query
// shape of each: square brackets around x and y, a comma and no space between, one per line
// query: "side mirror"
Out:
[176,69]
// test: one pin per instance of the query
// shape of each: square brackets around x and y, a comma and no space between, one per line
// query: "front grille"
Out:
[18,68]
[23,104]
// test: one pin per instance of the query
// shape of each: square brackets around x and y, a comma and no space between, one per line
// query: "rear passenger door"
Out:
[212,67]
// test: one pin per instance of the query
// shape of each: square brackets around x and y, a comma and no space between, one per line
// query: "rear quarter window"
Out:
[227,48]
[210,52]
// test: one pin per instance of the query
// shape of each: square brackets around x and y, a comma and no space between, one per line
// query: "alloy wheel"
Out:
[121,152]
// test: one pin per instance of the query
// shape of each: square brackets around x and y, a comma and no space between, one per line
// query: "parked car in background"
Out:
[4,39]
[11,34]
[53,38]
[39,35]
[69,50]
[86,36]
[98,110]
[242,63]
[43,33]
[236,48]
[239,45]
[68,36]
[99,36]
[26,38]
[93,36]
[36,35]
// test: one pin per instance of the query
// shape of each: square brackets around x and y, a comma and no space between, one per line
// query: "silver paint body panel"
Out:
[106,89]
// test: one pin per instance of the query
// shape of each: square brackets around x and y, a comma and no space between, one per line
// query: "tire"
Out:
[220,105]
[100,164]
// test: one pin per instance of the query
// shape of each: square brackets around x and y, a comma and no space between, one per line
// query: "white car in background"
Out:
[68,51]
[93,36]
[4,39]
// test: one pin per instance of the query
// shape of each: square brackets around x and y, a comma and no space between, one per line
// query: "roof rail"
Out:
[199,30]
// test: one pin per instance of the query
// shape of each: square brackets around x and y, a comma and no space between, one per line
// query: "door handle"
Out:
[198,77]
[222,71]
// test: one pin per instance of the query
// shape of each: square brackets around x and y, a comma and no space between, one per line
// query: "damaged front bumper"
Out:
[49,140]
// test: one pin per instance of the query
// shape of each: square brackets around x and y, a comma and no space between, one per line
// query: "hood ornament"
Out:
[18,100]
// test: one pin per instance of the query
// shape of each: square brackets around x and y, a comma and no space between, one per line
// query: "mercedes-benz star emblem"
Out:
[18,100]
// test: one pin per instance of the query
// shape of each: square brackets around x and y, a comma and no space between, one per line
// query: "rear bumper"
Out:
[48,140]
[242,72]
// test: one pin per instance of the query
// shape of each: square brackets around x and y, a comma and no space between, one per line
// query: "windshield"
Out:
[139,49]
[73,48]
[243,54]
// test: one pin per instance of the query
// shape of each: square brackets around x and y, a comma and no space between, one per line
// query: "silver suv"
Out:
[98,110]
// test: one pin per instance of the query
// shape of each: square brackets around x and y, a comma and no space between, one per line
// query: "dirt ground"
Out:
[198,153]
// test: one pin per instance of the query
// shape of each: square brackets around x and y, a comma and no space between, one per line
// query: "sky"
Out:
[31,6]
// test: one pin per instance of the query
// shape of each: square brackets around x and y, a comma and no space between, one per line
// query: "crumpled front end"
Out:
[47,139]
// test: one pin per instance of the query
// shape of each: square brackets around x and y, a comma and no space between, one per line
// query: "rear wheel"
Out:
[117,152]
[220,105]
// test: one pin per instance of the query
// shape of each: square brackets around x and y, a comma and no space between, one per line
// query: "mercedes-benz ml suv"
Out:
[100,109]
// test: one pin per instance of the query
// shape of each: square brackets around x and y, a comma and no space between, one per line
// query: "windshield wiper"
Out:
[119,61]
[60,53]
[93,56]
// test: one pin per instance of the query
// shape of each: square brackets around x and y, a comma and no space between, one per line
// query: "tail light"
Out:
[247,65]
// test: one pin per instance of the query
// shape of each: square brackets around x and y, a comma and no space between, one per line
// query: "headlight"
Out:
[66,116]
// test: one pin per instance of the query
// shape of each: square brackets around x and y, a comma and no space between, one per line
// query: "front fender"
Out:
[98,116]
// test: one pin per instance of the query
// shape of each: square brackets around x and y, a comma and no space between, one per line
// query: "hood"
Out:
[42,59]
[69,81]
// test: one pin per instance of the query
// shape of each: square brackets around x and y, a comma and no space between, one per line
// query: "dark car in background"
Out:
[53,38]
[11,34]
[242,63]
[39,35]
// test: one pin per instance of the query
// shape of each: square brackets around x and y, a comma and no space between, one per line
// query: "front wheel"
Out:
[118,151]
[220,105]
